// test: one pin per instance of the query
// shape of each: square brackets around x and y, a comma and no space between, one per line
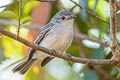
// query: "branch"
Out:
[31,26]
[79,36]
[79,43]
[60,55]
[100,72]
[113,44]
[93,14]
[20,11]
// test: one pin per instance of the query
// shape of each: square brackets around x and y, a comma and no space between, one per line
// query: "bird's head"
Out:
[63,16]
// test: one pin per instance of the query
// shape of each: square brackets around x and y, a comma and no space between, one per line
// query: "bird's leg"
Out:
[53,51]
[69,56]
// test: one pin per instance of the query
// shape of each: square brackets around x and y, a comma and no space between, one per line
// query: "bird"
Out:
[57,35]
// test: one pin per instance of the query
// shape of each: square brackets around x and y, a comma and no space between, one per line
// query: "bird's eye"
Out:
[63,17]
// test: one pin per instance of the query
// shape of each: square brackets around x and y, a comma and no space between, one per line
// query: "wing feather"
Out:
[39,38]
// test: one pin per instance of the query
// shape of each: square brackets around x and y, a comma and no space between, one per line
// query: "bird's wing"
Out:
[40,37]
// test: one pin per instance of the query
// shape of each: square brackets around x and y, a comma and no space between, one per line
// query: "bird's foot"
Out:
[69,56]
[53,51]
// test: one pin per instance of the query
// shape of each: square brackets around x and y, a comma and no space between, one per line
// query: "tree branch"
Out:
[103,74]
[113,44]
[31,26]
[79,36]
[20,11]
[100,72]
[60,55]
[93,14]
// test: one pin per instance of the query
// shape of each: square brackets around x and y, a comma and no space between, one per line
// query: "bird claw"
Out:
[69,55]
[53,51]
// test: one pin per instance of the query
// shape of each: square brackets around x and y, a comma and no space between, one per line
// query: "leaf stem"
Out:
[20,11]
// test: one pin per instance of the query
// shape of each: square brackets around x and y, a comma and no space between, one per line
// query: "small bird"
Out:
[57,35]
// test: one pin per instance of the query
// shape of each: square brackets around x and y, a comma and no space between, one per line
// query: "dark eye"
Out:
[63,17]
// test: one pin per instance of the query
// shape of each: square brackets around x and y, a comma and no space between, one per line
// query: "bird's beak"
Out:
[73,16]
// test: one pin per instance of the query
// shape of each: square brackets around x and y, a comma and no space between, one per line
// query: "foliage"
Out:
[59,69]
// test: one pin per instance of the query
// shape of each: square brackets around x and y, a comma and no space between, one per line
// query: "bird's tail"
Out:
[23,66]
[46,60]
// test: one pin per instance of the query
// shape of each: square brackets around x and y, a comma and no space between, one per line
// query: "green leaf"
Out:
[14,48]
[8,14]
[73,50]
[26,20]
[103,9]
[24,2]
[90,75]
[98,53]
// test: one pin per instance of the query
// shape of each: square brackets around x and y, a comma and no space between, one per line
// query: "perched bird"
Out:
[57,35]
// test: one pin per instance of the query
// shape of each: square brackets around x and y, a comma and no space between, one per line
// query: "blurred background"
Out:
[36,12]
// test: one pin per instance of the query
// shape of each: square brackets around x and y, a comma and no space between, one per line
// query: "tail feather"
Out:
[23,66]
[46,60]
[19,66]
[27,66]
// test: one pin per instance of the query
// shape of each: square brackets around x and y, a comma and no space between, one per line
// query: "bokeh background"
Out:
[36,12]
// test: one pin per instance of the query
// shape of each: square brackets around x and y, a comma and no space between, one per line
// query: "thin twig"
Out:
[93,14]
[80,36]
[83,37]
[113,27]
[31,26]
[60,55]
[98,71]
[79,43]
[103,74]
[20,11]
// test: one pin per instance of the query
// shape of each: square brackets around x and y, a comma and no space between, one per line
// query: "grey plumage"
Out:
[26,64]
[46,60]
[23,66]
[57,35]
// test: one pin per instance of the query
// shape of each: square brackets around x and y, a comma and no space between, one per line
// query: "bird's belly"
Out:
[56,41]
